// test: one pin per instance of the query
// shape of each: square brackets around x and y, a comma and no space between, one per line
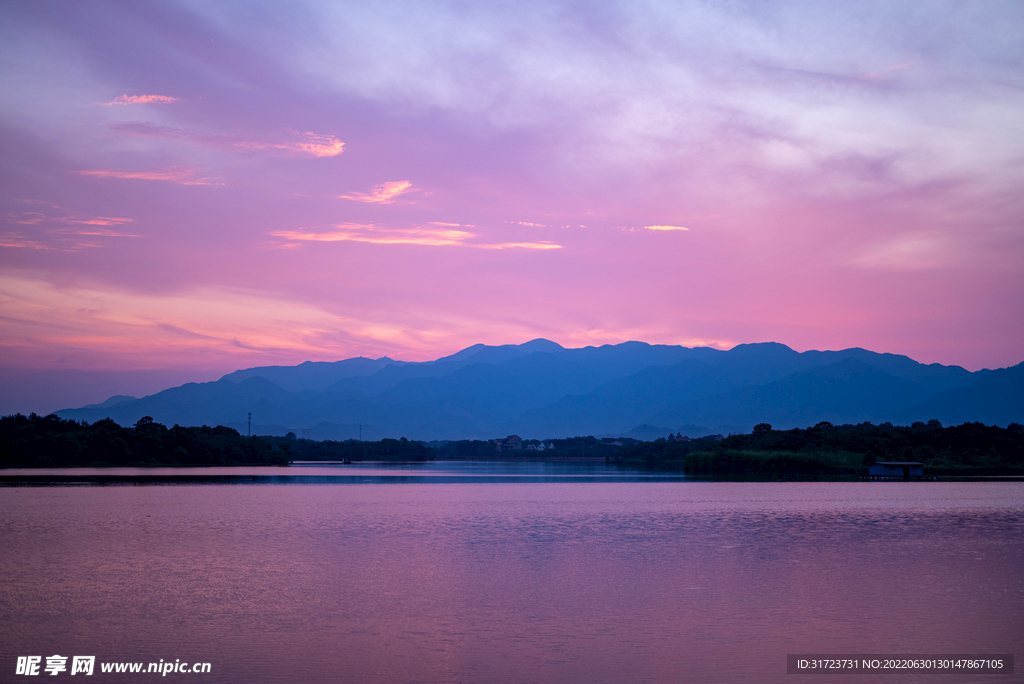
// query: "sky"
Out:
[197,187]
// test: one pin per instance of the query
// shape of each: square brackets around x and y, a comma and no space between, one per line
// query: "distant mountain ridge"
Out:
[542,390]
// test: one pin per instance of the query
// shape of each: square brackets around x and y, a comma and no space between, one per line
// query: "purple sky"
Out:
[212,186]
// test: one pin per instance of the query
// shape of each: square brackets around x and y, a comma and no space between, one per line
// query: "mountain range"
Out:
[542,390]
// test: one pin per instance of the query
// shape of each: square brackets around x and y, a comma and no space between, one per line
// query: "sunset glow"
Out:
[197,185]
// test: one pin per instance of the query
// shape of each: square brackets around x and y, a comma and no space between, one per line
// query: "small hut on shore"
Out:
[896,470]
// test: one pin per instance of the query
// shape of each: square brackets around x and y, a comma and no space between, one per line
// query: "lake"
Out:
[501,572]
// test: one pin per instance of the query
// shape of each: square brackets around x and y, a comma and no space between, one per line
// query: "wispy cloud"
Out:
[32,218]
[916,252]
[52,228]
[27,218]
[16,240]
[880,74]
[123,100]
[57,241]
[518,245]
[309,143]
[353,232]
[102,221]
[314,144]
[97,232]
[665,228]
[385,193]
[428,236]
[63,233]
[198,324]
[150,130]
[178,330]
[180,176]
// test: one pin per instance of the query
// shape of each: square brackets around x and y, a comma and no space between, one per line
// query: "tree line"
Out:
[826,449]
[822,450]
[36,441]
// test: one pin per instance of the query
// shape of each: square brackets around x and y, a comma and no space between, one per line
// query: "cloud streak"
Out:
[352,232]
[16,240]
[59,232]
[308,143]
[32,218]
[59,239]
[97,232]
[124,100]
[179,176]
[430,237]
[315,144]
[385,193]
[880,74]
[665,228]
[102,221]
[914,252]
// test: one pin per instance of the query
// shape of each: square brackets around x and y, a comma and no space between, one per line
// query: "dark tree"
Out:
[35,442]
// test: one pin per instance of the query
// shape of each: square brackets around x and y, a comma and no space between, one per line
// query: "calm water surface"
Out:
[462,572]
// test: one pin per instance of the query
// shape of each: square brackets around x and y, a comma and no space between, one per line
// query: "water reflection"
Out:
[599,581]
[334,473]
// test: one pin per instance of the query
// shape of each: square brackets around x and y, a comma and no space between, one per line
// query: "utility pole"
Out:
[360,432]
[250,423]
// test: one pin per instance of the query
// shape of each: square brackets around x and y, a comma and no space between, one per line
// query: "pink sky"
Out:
[197,187]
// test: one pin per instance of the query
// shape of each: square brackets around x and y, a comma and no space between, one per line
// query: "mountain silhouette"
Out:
[542,390]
